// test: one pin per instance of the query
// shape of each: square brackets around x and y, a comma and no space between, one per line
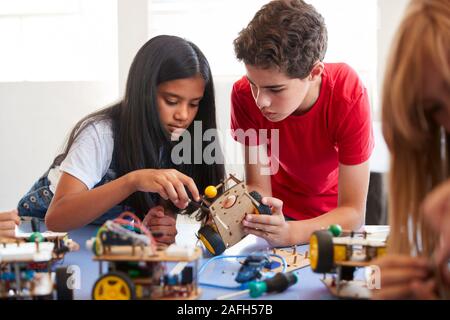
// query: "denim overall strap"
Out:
[36,201]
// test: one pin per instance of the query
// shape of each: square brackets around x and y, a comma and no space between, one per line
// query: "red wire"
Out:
[138,224]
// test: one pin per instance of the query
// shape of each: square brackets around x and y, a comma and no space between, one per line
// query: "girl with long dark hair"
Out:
[120,158]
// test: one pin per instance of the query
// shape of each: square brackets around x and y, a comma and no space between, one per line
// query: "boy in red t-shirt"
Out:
[318,118]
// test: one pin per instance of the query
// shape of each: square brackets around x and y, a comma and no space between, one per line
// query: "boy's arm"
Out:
[256,160]
[353,186]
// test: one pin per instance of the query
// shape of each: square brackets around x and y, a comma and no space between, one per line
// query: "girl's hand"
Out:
[436,209]
[168,183]
[8,222]
[157,220]
[273,228]
[404,277]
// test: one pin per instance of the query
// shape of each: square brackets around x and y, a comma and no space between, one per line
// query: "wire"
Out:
[119,225]
[97,242]
[121,229]
[137,223]
[242,286]
[283,261]
[203,267]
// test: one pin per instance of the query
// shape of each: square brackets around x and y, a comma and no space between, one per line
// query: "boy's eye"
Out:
[194,105]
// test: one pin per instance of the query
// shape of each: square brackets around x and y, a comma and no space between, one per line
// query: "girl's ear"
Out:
[316,71]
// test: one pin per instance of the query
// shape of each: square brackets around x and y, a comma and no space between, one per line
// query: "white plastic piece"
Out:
[178,268]
[46,234]
[90,244]
[27,252]
[121,230]
[358,241]
[175,250]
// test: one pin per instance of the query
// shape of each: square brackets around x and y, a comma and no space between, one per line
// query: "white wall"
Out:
[389,16]
[132,23]
[232,149]
[35,119]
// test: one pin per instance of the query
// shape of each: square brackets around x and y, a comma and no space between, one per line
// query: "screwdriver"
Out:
[278,283]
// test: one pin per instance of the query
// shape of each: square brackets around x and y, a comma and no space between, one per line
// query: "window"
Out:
[54,40]
[210,24]
[214,24]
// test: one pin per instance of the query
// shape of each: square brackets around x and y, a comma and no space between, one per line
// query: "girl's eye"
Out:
[276,90]
[171,103]
[194,105]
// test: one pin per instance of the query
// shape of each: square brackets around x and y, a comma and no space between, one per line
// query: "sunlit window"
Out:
[58,40]
[214,24]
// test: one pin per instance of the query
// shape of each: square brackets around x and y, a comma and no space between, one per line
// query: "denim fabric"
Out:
[37,200]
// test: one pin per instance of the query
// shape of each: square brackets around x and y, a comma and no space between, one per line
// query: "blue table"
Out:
[220,272]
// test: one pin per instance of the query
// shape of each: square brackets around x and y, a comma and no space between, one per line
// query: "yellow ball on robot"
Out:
[211,192]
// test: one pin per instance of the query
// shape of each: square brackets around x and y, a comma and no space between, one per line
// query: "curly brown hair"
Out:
[286,34]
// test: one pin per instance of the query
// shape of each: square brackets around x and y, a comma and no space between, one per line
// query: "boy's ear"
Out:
[316,71]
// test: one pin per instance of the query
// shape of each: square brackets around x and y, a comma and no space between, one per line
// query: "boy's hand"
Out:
[404,277]
[273,228]
[8,222]
[160,220]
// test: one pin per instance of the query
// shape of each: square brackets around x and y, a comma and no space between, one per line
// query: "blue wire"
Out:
[202,268]
[283,260]
[242,286]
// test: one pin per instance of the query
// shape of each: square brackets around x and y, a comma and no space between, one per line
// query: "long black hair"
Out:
[139,135]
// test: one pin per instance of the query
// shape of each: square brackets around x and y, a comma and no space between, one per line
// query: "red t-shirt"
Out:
[337,129]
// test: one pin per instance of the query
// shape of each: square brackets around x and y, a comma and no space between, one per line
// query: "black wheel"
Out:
[62,287]
[321,251]
[262,208]
[211,240]
[114,286]
[35,225]
[346,273]
[44,297]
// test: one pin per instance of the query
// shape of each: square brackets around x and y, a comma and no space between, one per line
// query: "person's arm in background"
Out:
[8,222]
[436,209]
[350,212]
[404,277]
